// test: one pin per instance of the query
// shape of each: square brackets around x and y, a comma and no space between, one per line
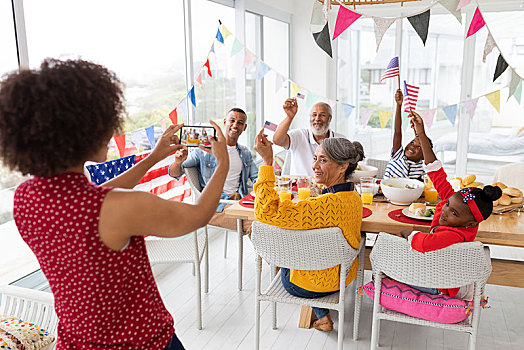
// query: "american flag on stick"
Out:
[270,126]
[392,70]
[410,97]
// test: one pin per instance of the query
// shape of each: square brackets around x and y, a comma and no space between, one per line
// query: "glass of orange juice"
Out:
[430,193]
[304,188]
[367,186]
[284,189]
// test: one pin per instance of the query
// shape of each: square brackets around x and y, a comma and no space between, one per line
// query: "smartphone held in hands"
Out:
[194,136]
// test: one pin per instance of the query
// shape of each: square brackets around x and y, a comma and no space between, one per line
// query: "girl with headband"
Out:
[456,217]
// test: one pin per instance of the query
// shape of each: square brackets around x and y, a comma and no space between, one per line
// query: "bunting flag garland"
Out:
[420,23]
[451,6]
[365,114]
[470,106]
[502,65]
[236,48]
[249,57]
[317,18]
[515,81]
[428,116]
[345,18]
[311,99]
[381,27]
[494,99]
[347,109]
[279,81]
[384,117]
[476,23]
[262,70]
[182,109]
[199,81]
[173,116]
[219,36]
[212,48]
[392,69]
[208,68]
[225,32]
[163,123]
[518,92]
[410,97]
[136,138]
[191,95]
[322,40]
[462,4]
[270,126]
[488,47]
[120,141]
[451,113]
[150,133]
[295,89]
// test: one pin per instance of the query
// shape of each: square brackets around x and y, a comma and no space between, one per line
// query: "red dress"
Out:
[103,298]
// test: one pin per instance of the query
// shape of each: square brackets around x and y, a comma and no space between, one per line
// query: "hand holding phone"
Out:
[196,135]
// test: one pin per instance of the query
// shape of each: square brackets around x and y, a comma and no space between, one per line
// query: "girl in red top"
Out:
[457,216]
[89,239]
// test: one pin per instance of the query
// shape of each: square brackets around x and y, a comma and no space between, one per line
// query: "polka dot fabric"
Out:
[103,298]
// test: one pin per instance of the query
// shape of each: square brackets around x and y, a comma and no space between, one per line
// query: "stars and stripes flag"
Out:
[156,180]
[392,69]
[270,126]
[410,97]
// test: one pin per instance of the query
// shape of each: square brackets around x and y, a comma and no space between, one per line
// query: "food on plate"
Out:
[468,179]
[499,185]
[516,200]
[512,192]
[429,212]
[505,200]
[495,203]
[473,184]
[456,183]
[417,208]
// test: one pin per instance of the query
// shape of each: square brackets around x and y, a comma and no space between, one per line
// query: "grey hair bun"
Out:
[343,151]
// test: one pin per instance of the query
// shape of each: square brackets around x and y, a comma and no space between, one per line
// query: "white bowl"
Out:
[396,191]
[365,171]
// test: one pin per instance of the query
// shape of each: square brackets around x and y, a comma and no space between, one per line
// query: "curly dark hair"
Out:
[56,117]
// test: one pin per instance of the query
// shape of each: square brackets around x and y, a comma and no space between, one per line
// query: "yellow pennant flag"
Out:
[225,32]
[494,99]
[384,118]
[295,89]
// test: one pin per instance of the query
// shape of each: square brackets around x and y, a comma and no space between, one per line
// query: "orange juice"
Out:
[367,197]
[430,195]
[284,194]
[303,193]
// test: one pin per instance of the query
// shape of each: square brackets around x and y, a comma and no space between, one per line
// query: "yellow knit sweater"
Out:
[342,209]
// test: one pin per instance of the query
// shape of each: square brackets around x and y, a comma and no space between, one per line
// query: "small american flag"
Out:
[156,180]
[410,97]
[270,126]
[391,70]
[302,96]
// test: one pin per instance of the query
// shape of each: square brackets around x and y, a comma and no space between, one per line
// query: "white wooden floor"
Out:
[228,314]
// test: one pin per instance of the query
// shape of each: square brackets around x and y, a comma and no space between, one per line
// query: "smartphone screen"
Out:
[194,136]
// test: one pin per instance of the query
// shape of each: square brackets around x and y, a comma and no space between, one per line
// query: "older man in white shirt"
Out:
[302,143]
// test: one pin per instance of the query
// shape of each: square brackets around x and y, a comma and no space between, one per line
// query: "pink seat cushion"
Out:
[399,297]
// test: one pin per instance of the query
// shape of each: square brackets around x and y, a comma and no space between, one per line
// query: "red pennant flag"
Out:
[345,18]
[173,116]
[208,68]
[120,143]
[476,23]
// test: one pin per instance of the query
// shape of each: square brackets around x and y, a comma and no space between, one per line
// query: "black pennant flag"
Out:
[323,41]
[420,23]
[502,65]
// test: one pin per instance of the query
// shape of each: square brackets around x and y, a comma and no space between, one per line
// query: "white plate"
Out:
[409,214]
[252,193]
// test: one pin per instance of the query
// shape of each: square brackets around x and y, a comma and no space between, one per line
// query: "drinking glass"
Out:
[304,188]
[430,193]
[367,187]
[284,189]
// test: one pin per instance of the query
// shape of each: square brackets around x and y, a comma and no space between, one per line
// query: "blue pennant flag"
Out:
[191,95]
[451,113]
[347,109]
[150,132]
[220,37]
[262,70]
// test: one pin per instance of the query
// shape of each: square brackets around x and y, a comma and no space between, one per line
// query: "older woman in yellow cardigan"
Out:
[339,205]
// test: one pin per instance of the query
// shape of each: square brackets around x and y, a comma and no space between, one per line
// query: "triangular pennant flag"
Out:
[518,92]
[219,36]
[323,41]
[405,120]
[136,138]
[488,47]
[182,109]
[279,81]
[331,102]
[225,32]
[470,106]
[347,109]
[381,26]
[191,95]
[428,115]
[237,47]
[199,81]
[365,114]
[311,99]
[317,18]
[462,4]
[208,68]
[345,18]
[262,70]
[494,99]
[162,123]
[295,89]
[249,57]
[420,23]
[515,80]
[502,65]
[451,6]
[212,47]
[384,117]
[476,23]
[451,113]
[173,116]
[150,133]
[120,141]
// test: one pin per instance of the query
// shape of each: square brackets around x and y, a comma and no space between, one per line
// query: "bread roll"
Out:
[516,200]
[473,184]
[499,185]
[505,200]
[512,192]
[495,203]
[415,206]
[468,179]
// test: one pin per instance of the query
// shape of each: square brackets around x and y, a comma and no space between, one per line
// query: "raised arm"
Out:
[281,138]
[418,126]
[397,135]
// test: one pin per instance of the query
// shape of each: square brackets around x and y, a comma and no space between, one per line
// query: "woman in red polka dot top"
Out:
[89,239]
